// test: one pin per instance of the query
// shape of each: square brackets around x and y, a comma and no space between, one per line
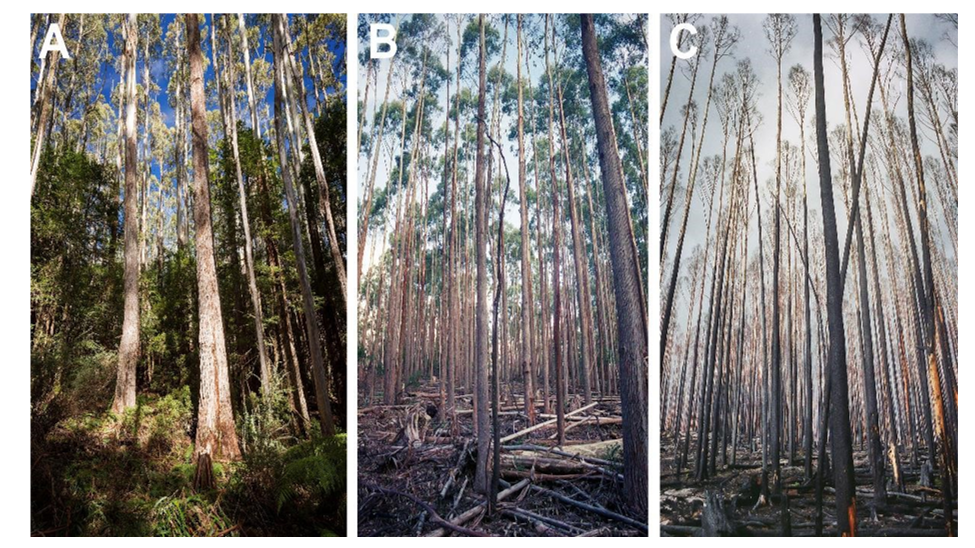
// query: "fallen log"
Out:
[542,450]
[431,512]
[461,458]
[590,508]
[502,413]
[572,424]
[545,424]
[576,417]
[681,530]
[459,495]
[591,450]
[582,494]
[542,476]
[555,466]
[532,516]
[373,408]
[591,419]
[540,526]
[478,509]
[598,532]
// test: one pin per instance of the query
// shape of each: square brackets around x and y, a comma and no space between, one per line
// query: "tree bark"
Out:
[308,303]
[839,407]
[215,434]
[482,192]
[560,395]
[297,74]
[46,93]
[632,326]
[255,296]
[931,327]
[527,370]
[129,345]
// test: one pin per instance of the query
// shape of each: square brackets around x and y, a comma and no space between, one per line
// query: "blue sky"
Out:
[108,77]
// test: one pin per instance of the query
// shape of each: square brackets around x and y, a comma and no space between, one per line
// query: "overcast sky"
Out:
[754,45]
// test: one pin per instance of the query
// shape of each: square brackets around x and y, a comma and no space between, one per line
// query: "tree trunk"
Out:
[527,370]
[245,221]
[377,139]
[931,331]
[215,434]
[631,324]
[297,75]
[47,92]
[581,264]
[128,352]
[839,407]
[560,395]
[482,193]
[308,303]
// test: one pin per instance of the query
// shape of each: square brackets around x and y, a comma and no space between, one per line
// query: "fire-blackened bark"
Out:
[930,299]
[557,259]
[842,446]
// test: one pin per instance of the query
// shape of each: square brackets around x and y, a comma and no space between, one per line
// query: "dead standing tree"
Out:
[780,30]
[839,411]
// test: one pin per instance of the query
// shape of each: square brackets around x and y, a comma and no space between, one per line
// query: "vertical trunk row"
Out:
[931,306]
[230,129]
[560,395]
[308,305]
[528,372]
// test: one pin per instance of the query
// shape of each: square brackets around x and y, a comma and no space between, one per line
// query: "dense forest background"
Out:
[502,235]
[188,194]
[809,288]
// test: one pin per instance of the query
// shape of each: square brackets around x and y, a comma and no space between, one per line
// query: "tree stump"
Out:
[413,425]
[714,518]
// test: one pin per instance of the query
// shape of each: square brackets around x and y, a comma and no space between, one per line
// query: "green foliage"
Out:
[187,516]
[92,379]
[313,468]
[112,473]
[75,278]
[304,484]
[168,329]
[97,473]
[265,424]
[132,474]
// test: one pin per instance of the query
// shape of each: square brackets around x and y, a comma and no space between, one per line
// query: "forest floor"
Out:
[101,474]
[573,493]
[737,507]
